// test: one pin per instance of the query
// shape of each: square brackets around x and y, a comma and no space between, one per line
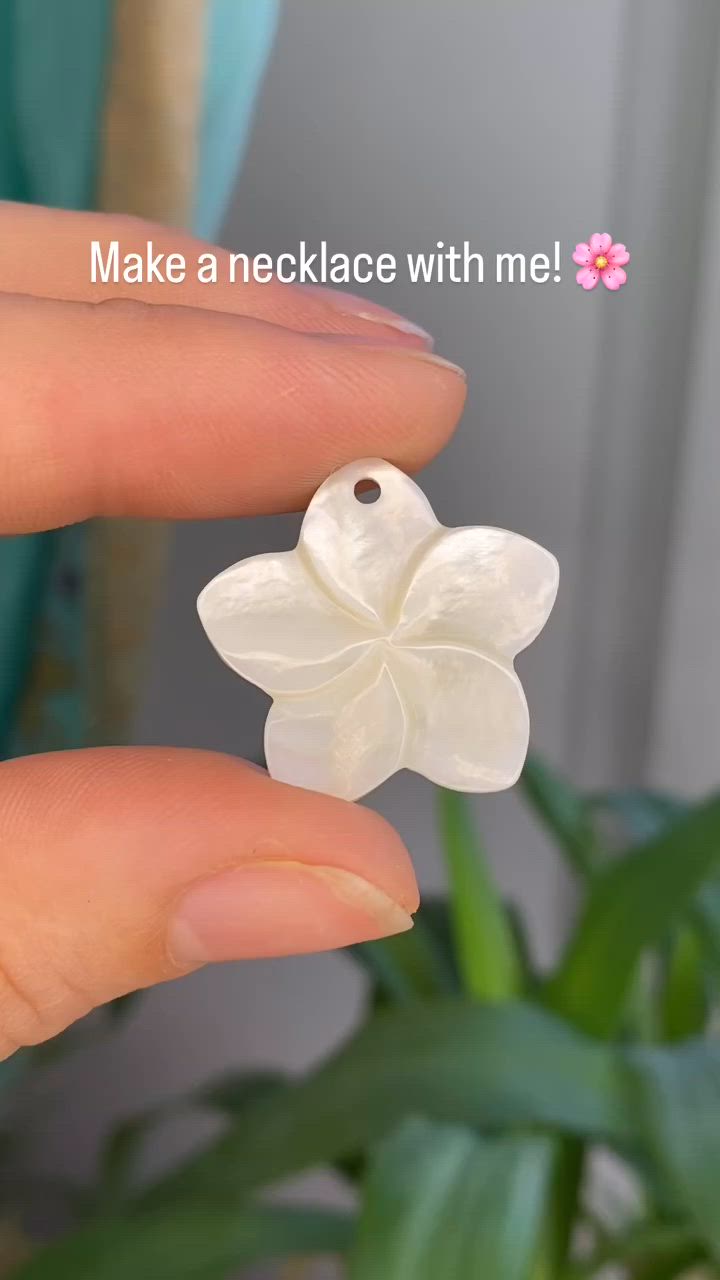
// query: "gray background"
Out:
[591,426]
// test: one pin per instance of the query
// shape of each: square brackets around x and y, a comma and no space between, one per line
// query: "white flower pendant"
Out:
[386,640]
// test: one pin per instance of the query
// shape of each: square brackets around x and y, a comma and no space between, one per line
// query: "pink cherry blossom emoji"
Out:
[600,259]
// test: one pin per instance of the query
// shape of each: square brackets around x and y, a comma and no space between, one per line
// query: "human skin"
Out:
[121,868]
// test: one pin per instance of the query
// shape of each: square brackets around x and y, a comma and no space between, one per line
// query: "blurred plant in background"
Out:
[475,1111]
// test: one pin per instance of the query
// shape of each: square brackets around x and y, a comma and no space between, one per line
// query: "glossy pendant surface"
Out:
[386,640]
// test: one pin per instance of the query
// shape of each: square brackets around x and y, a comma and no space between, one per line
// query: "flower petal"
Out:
[583,254]
[613,277]
[600,243]
[344,739]
[271,622]
[617,255]
[485,589]
[468,718]
[588,277]
[361,550]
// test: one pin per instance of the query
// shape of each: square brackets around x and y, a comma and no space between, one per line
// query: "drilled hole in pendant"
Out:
[367,490]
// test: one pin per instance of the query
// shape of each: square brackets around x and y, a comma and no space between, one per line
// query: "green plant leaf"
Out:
[561,1215]
[230,1094]
[677,1095]
[409,966]
[456,1060]
[234,1092]
[484,940]
[684,1000]
[705,914]
[631,906]
[11,1069]
[564,812]
[435,914]
[523,946]
[441,1201]
[119,1157]
[642,814]
[190,1240]
[119,1010]
[646,1250]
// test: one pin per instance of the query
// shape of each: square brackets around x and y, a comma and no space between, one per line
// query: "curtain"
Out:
[136,106]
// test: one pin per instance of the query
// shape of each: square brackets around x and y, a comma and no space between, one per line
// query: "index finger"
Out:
[129,409]
[47,253]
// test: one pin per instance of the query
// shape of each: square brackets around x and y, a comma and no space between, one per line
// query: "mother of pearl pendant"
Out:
[386,640]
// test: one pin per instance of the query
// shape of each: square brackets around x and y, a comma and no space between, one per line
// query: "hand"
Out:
[123,868]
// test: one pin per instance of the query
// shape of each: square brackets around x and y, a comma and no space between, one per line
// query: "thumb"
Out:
[123,868]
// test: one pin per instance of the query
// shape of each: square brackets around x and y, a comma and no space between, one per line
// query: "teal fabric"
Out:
[53,60]
[12,183]
[61,717]
[20,566]
[58,66]
[240,36]
[24,574]
[52,68]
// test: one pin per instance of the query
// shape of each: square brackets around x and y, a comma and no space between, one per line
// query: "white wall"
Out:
[685,737]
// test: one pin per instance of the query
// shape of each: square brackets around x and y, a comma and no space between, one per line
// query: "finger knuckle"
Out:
[34,1006]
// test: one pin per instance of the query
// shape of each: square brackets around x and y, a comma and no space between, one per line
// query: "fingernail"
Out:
[276,908]
[410,353]
[431,358]
[351,304]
